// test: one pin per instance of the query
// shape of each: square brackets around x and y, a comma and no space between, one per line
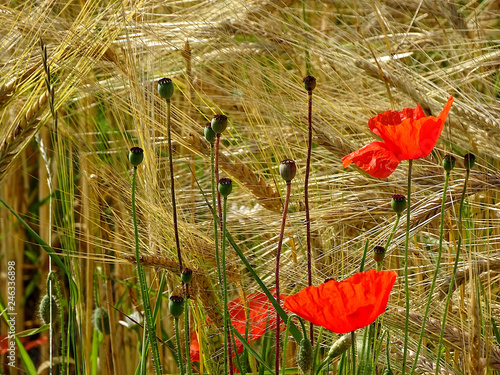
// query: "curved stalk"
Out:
[398,216]
[438,263]
[172,189]
[277,276]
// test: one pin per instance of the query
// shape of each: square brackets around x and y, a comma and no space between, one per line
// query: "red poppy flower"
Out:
[261,315]
[28,345]
[347,305]
[407,134]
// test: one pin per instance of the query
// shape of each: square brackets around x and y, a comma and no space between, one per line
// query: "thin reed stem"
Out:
[144,288]
[186,329]
[398,216]
[172,189]
[407,293]
[214,212]
[306,202]
[277,275]
[228,352]
[178,341]
[455,266]
[353,350]
[438,264]
[219,205]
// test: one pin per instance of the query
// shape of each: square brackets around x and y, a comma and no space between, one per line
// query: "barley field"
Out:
[109,178]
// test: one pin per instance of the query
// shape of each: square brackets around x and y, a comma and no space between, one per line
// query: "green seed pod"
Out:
[176,306]
[305,356]
[448,163]
[469,161]
[136,156]
[225,186]
[209,133]
[101,320]
[378,253]
[288,169]
[398,203]
[340,346]
[166,88]
[219,123]
[186,275]
[309,83]
[44,309]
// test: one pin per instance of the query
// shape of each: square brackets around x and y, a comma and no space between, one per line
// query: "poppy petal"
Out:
[347,305]
[413,137]
[375,158]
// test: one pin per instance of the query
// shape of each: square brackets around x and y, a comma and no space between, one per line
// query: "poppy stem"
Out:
[172,189]
[144,288]
[186,330]
[398,216]
[353,350]
[228,352]
[277,275]
[178,341]
[215,217]
[407,295]
[306,202]
[455,265]
[438,264]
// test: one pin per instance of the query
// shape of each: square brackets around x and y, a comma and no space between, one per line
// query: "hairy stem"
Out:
[277,275]
[455,266]
[438,264]
[178,340]
[306,201]
[144,288]
[228,352]
[407,295]
[172,189]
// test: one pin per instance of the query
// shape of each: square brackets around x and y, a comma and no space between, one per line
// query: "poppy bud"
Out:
[209,133]
[378,253]
[136,156]
[340,346]
[305,356]
[166,88]
[388,371]
[225,186]
[100,319]
[288,169]
[44,309]
[219,123]
[469,161]
[186,275]
[448,163]
[309,83]
[398,203]
[176,306]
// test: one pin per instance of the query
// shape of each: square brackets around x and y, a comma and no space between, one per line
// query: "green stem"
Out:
[379,265]
[407,295]
[144,287]
[178,340]
[186,330]
[214,212]
[438,264]
[455,266]
[353,349]
[306,202]
[172,189]
[277,277]
[228,352]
